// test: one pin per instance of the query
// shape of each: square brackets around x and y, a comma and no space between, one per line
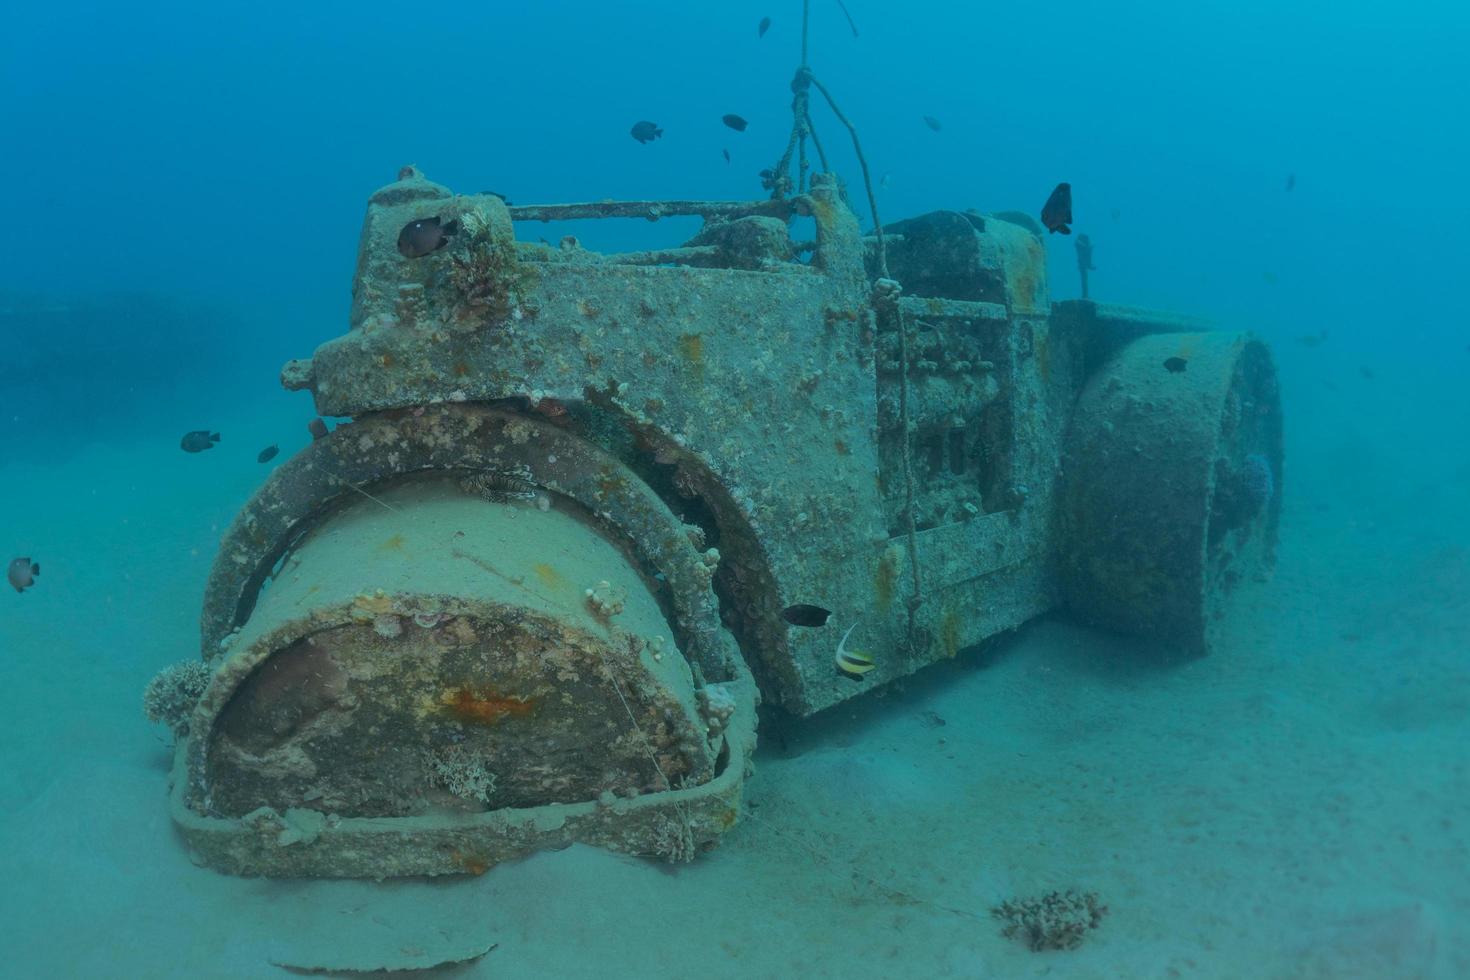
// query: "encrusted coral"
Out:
[1056,920]
[673,839]
[486,273]
[716,706]
[1242,491]
[172,694]
[462,773]
[388,626]
[605,599]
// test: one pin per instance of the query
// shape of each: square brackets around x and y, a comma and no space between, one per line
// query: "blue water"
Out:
[195,175]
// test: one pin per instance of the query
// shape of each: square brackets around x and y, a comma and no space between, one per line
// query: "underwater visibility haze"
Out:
[789,489]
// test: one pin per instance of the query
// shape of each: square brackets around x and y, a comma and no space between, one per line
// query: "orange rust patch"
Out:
[549,576]
[483,707]
[394,543]
[461,368]
[388,360]
[691,348]
[842,447]
[886,577]
[609,481]
[473,863]
[949,632]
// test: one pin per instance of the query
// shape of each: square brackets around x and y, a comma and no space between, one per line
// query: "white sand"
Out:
[1296,806]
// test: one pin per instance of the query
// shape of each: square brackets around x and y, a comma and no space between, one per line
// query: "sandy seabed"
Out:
[1297,805]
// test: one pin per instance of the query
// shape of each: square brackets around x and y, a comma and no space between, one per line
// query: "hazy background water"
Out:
[221,154]
[183,186]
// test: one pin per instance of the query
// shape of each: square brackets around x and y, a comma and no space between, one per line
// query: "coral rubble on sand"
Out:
[1056,920]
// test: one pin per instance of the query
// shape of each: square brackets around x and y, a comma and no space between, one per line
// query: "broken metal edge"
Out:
[307,843]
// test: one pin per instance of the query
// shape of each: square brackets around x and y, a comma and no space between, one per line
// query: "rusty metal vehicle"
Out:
[590,509]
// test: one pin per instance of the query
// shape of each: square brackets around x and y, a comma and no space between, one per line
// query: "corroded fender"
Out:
[432,681]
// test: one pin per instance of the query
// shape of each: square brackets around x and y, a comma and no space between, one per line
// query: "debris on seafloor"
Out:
[1056,920]
[1175,365]
[410,958]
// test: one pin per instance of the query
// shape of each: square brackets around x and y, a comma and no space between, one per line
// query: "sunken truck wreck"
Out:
[591,509]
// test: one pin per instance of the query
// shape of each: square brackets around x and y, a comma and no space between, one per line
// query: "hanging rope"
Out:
[886,291]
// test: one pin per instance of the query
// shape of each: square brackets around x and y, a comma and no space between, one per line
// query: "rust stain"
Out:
[886,576]
[949,632]
[549,576]
[394,543]
[691,348]
[475,864]
[486,706]
[609,481]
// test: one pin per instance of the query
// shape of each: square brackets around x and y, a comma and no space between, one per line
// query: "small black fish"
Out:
[727,155]
[734,122]
[503,199]
[1290,183]
[267,454]
[765,25]
[1056,213]
[644,131]
[198,441]
[22,573]
[1176,365]
[933,123]
[419,238]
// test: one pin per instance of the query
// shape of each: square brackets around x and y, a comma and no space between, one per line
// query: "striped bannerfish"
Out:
[852,663]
